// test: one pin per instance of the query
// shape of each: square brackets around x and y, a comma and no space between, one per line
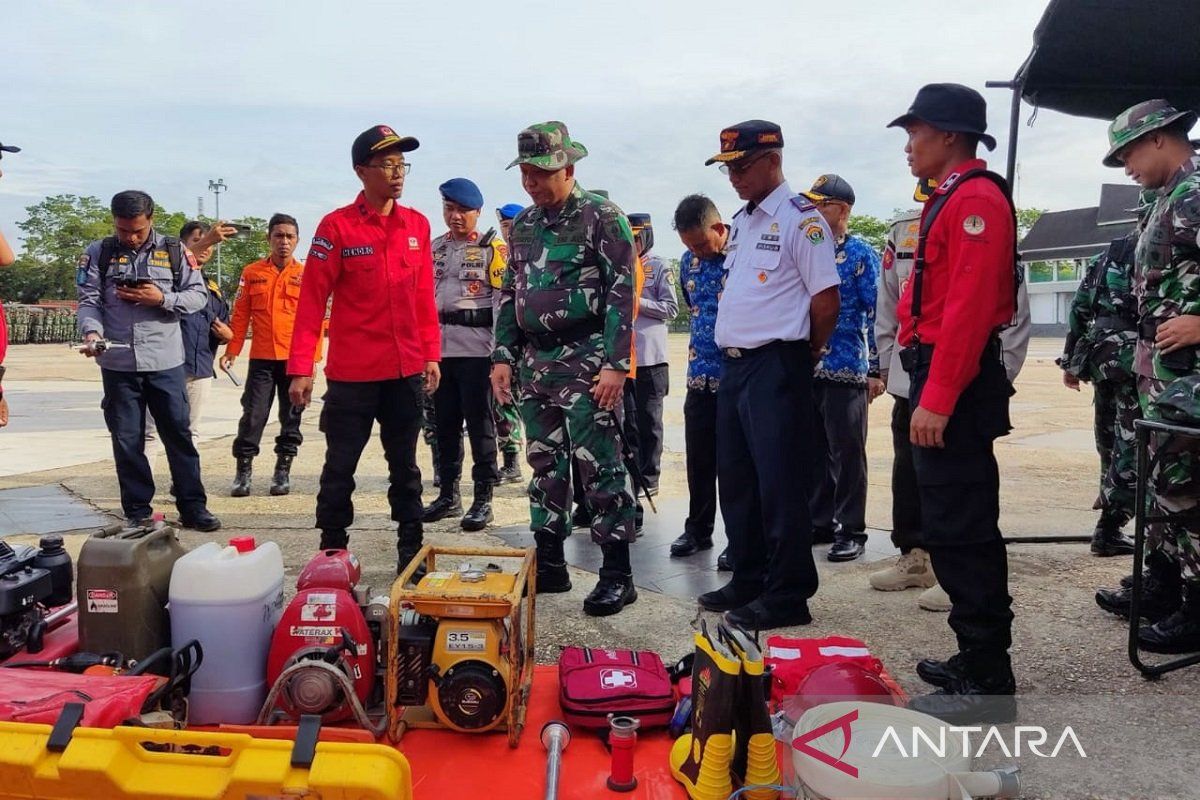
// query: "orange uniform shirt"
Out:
[266,301]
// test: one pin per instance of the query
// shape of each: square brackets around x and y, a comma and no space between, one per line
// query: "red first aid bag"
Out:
[595,683]
[34,695]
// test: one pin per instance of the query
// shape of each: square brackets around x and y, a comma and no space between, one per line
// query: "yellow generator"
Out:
[460,642]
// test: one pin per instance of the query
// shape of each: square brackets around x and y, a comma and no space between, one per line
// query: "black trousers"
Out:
[349,413]
[653,384]
[839,495]
[463,394]
[700,438]
[127,395]
[267,380]
[764,465]
[906,495]
[960,512]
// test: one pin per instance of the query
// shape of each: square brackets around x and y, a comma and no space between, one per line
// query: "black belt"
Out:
[1113,322]
[571,335]
[470,318]
[743,352]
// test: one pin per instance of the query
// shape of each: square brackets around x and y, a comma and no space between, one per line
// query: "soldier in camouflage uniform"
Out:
[565,322]
[1151,141]
[1099,350]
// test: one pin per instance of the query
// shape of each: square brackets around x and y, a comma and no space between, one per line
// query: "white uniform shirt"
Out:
[781,253]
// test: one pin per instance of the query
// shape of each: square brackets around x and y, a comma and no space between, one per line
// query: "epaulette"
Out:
[803,204]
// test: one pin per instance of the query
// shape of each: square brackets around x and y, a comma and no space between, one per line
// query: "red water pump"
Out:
[323,653]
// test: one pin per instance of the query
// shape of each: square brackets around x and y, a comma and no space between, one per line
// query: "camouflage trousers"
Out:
[508,425]
[562,422]
[1116,405]
[1174,482]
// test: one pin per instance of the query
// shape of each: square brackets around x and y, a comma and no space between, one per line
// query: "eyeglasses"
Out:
[401,168]
[739,167]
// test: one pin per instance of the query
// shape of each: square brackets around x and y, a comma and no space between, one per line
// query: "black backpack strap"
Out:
[175,254]
[108,246]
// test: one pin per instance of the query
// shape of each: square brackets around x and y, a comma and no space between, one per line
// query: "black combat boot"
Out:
[447,504]
[1178,633]
[690,543]
[552,575]
[1160,591]
[281,481]
[615,588]
[410,538]
[940,673]
[1108,540]
[334,539]
[479,515]
[241,481]
[982,692]
[511,471]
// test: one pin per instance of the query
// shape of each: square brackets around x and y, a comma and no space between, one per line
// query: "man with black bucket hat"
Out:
[373,257]
[963,291]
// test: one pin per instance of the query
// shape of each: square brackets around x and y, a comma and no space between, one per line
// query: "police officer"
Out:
[467,268]
[373,258]
[702,278]
[657,305]
[1151,141]
[845,381]
[566,321]
[133,288]
[962,292]
[268,295]
[912,567]
[507,415]
[779,306]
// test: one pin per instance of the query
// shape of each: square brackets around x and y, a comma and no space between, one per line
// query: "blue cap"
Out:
[463,192]
[510,211]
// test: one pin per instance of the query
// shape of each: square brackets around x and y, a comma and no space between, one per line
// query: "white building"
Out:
[1059,245]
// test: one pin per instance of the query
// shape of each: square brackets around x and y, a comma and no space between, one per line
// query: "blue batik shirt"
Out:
[851,354]
[702,281]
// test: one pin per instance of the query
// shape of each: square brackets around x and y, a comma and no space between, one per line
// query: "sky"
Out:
[269,95]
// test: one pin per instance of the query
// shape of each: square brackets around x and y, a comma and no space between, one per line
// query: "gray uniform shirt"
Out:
[899,258]
[461,282]
[153,334]
[656,305]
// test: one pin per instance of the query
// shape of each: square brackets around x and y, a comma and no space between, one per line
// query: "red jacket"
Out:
[383,323]
[968,286]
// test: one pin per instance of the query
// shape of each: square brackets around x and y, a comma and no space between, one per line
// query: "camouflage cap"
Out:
[1137,121]
[547,146]
[1180,401]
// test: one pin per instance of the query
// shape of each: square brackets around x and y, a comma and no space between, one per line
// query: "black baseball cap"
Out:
[830,187]
[949,107]
[739,141]
[376,139]
[9,148]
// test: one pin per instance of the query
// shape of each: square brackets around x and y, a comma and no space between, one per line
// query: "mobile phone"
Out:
[132,283]
[242,230]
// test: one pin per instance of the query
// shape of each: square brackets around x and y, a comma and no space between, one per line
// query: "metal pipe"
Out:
[1014,125]
[61,614]
[555,738]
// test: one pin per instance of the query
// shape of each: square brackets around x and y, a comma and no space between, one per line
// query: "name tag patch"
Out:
[767,246]
[352,252]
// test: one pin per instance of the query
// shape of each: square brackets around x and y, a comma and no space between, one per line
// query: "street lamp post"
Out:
[216,187]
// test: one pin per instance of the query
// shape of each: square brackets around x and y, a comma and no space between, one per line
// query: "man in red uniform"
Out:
[963,290]
[373,257]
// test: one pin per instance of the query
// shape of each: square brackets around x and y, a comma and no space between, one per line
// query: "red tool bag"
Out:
[595,683]
[35,695]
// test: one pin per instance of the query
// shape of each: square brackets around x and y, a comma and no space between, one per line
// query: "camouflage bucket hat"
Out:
[547,146]
[1139,120]
[1180,401]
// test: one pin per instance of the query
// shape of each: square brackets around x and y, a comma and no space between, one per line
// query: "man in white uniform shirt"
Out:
[779,306]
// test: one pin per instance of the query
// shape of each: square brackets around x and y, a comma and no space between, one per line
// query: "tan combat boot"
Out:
[912,569]
[935,599]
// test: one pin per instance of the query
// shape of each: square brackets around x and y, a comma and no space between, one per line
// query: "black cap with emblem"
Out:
[377,139]
[739,141]
[830,187]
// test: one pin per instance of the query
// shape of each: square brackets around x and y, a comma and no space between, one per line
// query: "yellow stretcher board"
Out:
[129,762]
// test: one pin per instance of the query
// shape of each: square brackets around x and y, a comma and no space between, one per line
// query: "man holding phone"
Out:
[373,257]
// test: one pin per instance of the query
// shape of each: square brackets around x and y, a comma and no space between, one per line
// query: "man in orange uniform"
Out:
[373,257]
[268,293]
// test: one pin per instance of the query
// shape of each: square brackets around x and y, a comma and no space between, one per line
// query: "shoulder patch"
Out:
[323,243]
[803,204]
[814,233]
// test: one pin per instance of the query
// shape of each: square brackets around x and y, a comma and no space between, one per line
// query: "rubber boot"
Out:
[334,539]
[479,515]
[1178,633]
[1108,540]
[241,481]
[1160,591]
[410,538]
[281,481]
[702,760]
[615,589]
[447,504]
[552,574]
[754,761]
[511,471]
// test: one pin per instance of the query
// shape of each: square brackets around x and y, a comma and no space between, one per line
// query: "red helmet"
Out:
[833,683]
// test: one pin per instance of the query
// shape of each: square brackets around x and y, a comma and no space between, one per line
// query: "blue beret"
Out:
[511,210]
[463,192]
